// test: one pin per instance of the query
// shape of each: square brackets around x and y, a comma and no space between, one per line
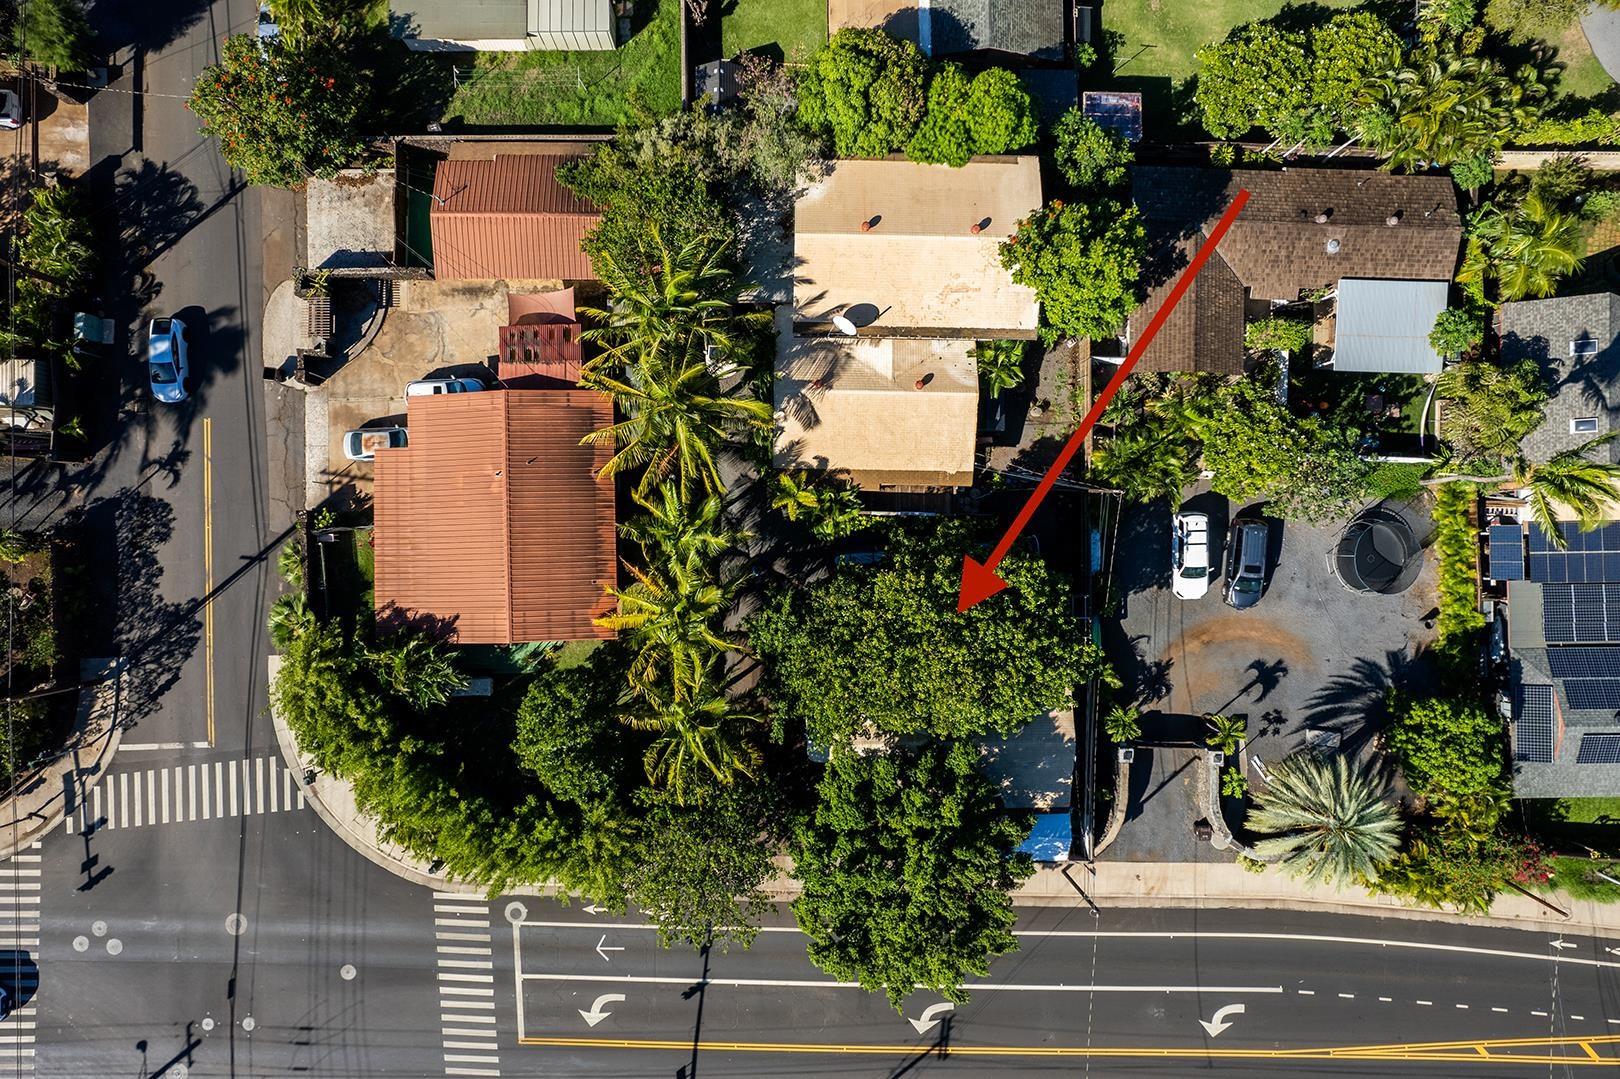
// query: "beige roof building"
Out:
[888,412]
[919,268]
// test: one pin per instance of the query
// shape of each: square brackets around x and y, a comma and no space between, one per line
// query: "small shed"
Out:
[1114,111]
[1383,326]
[717,80]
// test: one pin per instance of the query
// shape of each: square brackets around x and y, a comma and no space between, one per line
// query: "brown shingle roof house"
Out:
[492,526]
[505,217]
[1302,229]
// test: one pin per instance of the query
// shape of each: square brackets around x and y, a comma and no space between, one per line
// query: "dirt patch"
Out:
[1253,636]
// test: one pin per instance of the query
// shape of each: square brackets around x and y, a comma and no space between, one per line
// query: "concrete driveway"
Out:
[1309,664]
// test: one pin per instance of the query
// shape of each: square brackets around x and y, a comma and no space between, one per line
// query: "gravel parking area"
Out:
[1309,664]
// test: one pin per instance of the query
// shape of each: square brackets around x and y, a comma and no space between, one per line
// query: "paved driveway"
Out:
[1311,661]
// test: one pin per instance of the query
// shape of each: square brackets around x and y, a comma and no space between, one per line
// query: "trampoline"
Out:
[1378,553]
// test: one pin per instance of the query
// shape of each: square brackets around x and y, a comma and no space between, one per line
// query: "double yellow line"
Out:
[208,569]
[1491,1051]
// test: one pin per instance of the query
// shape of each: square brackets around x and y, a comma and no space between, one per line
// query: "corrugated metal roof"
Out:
[492,523]
[571,24]
[463,20]
[508,218]
[540,355]
[1384,326]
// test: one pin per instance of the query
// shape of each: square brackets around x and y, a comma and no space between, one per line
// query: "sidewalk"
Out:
[59,787]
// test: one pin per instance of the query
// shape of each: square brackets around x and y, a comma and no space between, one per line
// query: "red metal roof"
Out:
[540,355]
[492,525]
[508,218]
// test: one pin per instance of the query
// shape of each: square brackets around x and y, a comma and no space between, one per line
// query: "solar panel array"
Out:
[1506,552]
[1533,724]
[1602,693]
[1580,613]
[1599,749]
[1576,661]
[1590,557]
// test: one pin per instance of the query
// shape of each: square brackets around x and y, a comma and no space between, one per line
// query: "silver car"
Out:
[362,445]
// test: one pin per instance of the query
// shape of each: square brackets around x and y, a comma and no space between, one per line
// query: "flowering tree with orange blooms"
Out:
[282,113]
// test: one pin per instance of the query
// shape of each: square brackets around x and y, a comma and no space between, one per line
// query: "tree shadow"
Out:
[156,206]
[1355,703]
[147,27]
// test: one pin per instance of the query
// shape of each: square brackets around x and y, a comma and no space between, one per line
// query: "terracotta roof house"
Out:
[1029,28]
[504,25]
[1573,339]
[505,217]
[540,346]
[492,527]
[906,249]
[887,412]
[1302,230]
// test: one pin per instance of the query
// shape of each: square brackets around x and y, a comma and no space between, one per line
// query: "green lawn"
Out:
[1583,76]
[1568,825]
[792,28]
[584,89]
[1162,35]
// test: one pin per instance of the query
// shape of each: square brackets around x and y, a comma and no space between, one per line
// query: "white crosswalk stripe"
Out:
[188,792]
[19,952]
[471,1035]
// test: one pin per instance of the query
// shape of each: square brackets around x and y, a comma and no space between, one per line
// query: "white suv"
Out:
[428,387]
[1189,555]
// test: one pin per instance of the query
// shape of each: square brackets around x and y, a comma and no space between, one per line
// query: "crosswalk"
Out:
[466,978]
[188,792]
[19,949]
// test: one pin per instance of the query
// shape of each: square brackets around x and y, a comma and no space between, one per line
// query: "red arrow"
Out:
[979,580]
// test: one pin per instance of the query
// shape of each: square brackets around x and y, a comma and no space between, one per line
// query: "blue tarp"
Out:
[1051,838]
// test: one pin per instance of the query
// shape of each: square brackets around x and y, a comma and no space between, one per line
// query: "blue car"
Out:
[166,365]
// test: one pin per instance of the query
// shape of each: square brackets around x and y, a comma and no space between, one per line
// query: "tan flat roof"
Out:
[920,267]
[853,405]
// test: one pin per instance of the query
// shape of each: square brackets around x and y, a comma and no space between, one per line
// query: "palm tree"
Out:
[1489,407]
[415,669]
[1573,480]
[700,730]
[673,532]
[1001,364]
[671,612]
[832,509]
[1325,820]
[686,305]
[309,20]
[676,419]
[1525,250]
[1445,106]
[1145,461]
[290,617]
[1122,724]
[14,546]
[1225,732]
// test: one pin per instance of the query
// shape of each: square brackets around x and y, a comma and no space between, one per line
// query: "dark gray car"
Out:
[1246,562]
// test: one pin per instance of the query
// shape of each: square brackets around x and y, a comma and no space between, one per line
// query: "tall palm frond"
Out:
[700,730]
[671,614]
[674,532]
[1573,480]
[1326,820]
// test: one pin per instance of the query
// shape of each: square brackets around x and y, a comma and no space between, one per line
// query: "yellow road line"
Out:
[1478,1051]
[208,568]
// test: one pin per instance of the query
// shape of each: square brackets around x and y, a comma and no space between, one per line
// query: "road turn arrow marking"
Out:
[603,948]
[596,1014]
[594,909]
[1217,1023]
[929,1018]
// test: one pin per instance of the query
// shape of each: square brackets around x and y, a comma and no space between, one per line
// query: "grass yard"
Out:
[784,29]
[1162,35]
[576,89]
[1583,76]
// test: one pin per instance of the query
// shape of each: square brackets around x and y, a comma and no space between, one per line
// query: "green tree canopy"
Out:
[907,865]
[1444,105]
[1089,155]
[1346,51]
[1001,114]
[1522,250]
[51,32]
[883,646]
[1084,261]
[567,736]
[1489,407]
[943,137]
[1457,330]
[1259,76]
[1447,746]
[864,91]
[285,113]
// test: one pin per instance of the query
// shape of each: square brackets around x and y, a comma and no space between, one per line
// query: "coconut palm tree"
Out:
[1146,461]
[832,509]
[1225,732]
[1325,820]
[1573,480]
[1445,106]
[675,419]
[685,306]
[1525,250]
[1489,407]
[700,730]
[674,532]
[1123,724]
[671,613]
[416,669]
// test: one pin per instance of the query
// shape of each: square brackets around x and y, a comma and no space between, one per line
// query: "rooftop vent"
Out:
[1333,246]
[1322,218]
[1393,219]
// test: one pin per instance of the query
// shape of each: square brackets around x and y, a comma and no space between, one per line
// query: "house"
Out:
[499,213]
[909,249]
[1572,338]
[504,25]
[897,274]
[1033,29]
[1304,234]
[540,345]
[1563,621]
[492,526]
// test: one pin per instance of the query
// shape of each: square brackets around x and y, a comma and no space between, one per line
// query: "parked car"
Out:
[362,445]
[428,387]
[1189,555]
[167,368]
[10,110]
[1246,562]
[5,1003]
[268,30]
